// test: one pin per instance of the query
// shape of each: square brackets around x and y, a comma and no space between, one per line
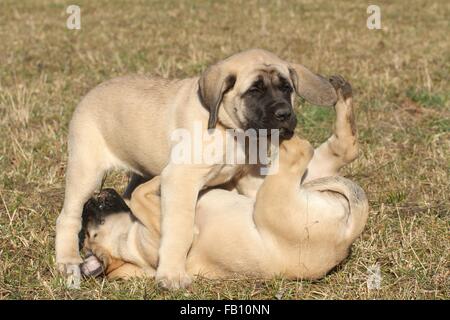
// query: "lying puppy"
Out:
[298,231]
[127,123]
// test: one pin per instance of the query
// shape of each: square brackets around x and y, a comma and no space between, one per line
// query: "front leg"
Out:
[280,192]
[180,186]
[342,147]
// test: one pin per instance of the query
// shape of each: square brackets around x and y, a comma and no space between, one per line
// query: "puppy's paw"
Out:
[297,148]
[173,281]
[72,273]
[342,87]
[295,154]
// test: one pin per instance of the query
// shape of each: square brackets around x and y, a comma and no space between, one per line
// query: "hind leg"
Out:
[84,173]
[342,147]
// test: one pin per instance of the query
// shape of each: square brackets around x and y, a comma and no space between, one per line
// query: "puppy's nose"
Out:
[283,113]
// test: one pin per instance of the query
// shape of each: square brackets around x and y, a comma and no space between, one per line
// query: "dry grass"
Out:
[401,80]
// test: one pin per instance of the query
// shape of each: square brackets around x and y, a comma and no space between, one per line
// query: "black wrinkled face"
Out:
[268,105]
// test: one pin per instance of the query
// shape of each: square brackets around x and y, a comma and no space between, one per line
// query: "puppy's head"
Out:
[256,89]
[105,218]
[295,154]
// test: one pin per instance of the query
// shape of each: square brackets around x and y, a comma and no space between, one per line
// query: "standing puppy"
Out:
[127,123]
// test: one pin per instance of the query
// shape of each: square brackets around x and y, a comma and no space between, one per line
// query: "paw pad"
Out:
[342,87]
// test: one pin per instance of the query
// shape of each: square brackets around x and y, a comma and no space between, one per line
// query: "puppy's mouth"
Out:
[286,133]
[283,132]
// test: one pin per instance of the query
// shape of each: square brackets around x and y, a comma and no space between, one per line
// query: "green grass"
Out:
[426,98]
[400,77]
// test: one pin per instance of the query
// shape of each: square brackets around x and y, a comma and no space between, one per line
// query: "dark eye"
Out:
[286,88]
[256,88]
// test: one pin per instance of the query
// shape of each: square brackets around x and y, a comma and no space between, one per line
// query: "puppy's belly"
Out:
[146,159]
[149,158]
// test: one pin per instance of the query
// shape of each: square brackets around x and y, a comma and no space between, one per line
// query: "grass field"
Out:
[400,76]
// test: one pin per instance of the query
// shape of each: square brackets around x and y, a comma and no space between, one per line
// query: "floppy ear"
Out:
[312,87]
[213,84]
